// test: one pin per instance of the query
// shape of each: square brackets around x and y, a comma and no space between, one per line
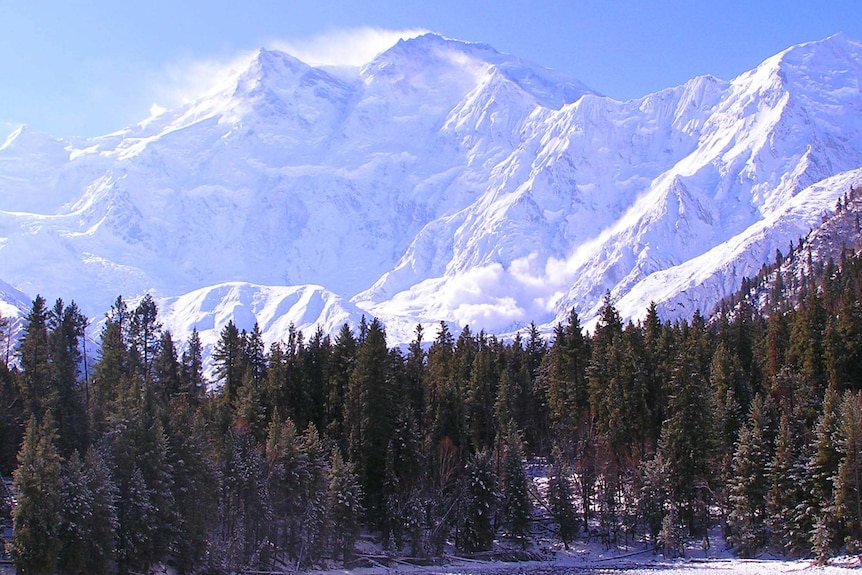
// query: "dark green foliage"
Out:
[561,501]
[749,488]
[341,362]
[89,515]
[479,499]
[789,525]
[194,490]
[344,507]
[481,391]
[227,357]
[166,369]
[39,513]
[515,490]
[566,391]
[848,482]
[67,399]
[246,507]
[34,354]
[370,414]
[314,477]
[11,421]
[655,501]
[690,455]
[100,534]
[143,337]
[192,383]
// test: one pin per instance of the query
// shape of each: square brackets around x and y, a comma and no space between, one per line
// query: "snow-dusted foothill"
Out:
[442,181]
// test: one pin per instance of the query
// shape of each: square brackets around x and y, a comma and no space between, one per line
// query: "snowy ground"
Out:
[593,558]
[573,564]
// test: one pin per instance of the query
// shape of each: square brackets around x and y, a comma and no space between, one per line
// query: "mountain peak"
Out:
[551,89]
[836,51]
[272,66]
[27,136]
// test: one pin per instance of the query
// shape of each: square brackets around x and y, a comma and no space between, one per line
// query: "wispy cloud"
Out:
[184,80]
[351,47]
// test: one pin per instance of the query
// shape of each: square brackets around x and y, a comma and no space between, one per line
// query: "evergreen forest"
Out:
[749,418]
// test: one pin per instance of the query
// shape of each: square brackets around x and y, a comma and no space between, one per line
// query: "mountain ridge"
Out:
[441,181]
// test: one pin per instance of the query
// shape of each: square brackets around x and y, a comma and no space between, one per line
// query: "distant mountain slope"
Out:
[801,264]
[276,310]
[441,181]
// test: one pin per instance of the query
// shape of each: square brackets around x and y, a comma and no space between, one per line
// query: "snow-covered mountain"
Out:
[443,180]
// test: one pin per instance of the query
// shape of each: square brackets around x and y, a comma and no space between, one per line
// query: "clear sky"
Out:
[88,67]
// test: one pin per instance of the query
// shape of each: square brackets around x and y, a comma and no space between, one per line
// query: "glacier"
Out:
[441,181]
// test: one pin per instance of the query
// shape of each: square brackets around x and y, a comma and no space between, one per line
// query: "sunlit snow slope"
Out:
[441,181]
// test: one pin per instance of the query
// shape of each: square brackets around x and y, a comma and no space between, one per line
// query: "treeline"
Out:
[653,431]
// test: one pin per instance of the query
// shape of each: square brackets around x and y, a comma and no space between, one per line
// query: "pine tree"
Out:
[476,527]
[38,516]
[848,482]
[370,417]
[749,487]
[689,456]
[313,493]
[111,378]
[611,385]
[344,507]
[414,365]
[245,508]
[654,502]
[166,369]
[67,398]
[136,523]
[480,395]
[285,473]
[154,461]
[314,366]
[822,467]
[342,361]
[515,502]
[227,358]
[77,515]
[566,379]
[193,490]
[143,336]
[787,491]
[403,479]
[100,532]
[34,353]
[192,382]
[11,421]
[250,407]
[671,538]
[561,501]
[83,507]
[445,402]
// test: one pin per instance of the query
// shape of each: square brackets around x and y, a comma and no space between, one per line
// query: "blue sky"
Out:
[76,67]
